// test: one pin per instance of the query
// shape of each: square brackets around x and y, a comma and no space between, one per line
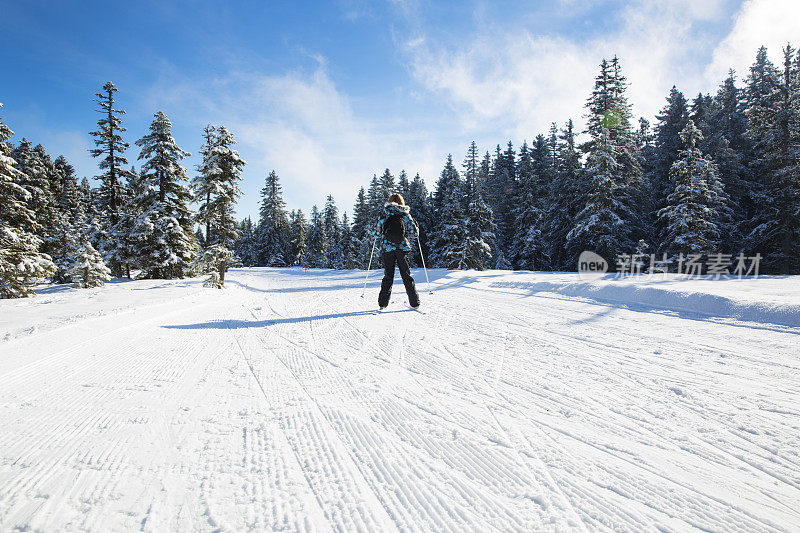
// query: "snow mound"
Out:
[768,300]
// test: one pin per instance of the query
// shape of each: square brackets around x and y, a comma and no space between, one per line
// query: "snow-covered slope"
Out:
[520,401]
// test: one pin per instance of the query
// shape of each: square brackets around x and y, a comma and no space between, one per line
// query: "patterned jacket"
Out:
[389,209]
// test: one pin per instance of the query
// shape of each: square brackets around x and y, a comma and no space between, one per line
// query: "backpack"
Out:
[394,229]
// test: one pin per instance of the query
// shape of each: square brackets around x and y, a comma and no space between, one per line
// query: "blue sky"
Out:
[330,93]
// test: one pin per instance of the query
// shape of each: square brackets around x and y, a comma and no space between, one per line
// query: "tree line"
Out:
[715,174]
[718,174]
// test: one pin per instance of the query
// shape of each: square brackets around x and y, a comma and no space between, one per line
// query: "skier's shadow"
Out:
[240,324]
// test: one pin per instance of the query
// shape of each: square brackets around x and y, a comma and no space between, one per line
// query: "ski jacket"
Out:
[411,232]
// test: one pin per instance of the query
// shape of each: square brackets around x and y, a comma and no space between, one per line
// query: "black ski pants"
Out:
[399,258]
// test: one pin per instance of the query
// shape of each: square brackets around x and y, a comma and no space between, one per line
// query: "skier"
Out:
[394,227]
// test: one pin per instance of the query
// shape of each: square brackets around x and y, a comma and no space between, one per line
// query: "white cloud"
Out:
[771,23]
[507,77]
[302,126]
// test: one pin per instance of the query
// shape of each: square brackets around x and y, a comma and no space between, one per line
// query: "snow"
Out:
[520,401]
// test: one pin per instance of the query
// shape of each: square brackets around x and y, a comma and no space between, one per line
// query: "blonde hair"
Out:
[397,198]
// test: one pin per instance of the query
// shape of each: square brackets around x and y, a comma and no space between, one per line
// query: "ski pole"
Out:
[368,268]
[423,264]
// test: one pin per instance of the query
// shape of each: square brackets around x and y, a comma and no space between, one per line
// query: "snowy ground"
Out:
[518,402]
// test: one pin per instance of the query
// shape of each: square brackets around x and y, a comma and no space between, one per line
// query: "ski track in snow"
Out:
[283,403]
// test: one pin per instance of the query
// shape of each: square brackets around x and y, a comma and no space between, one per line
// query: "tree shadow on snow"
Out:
[240,324]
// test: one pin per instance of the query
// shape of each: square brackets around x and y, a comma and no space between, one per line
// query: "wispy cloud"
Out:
[771,23]
[518,81]
[300,124]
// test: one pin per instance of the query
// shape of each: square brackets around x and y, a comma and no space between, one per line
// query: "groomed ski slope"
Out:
[519,402]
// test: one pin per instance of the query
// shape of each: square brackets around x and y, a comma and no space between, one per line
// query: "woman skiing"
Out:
[394,227]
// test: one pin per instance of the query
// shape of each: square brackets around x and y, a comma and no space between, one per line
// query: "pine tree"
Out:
[611,219]
[273,226]
[479,234]
[690,216]
[68,209]
[471,168]
[330,217]
[245,248]
[376,197]
[214,261]
[125,251]
[403,184]
[163,231]
[527,250]
[563,195]
[773,107]
[668,144]
[88,269]
[317,242]
[602,226]
[387,186]
[348,246]
[216,186]
[499,192]
[35,179]
[360,230]
[21,264]
[449,232]
[421,209]
[110,147]
[298,237]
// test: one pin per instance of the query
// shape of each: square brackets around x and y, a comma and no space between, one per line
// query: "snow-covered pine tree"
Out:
[421,209]
[479,234]
[85,195]
[298,235]
[330,220]
[773,107]
[668,145]
[671,122]
[471,166]
[245,247]
[162,234]
[110,147]
[690,217]
[125,251]
[387,185]
[375,199]
[88,269]
[70,217]
[36,181]
[730,147]
[527,250]
[603,225]
[609,118]
[216,186]
[699,113]
[21,263]
[348,246]
[273,226]
[562,204]
[40,177]
[203,183]
[508,199]
[362,224]
[403,183]
[317,242]
[214,261]
[449,235]
[499,193]
[68,200]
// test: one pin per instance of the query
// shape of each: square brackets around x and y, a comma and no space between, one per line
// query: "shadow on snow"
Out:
[240,324]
